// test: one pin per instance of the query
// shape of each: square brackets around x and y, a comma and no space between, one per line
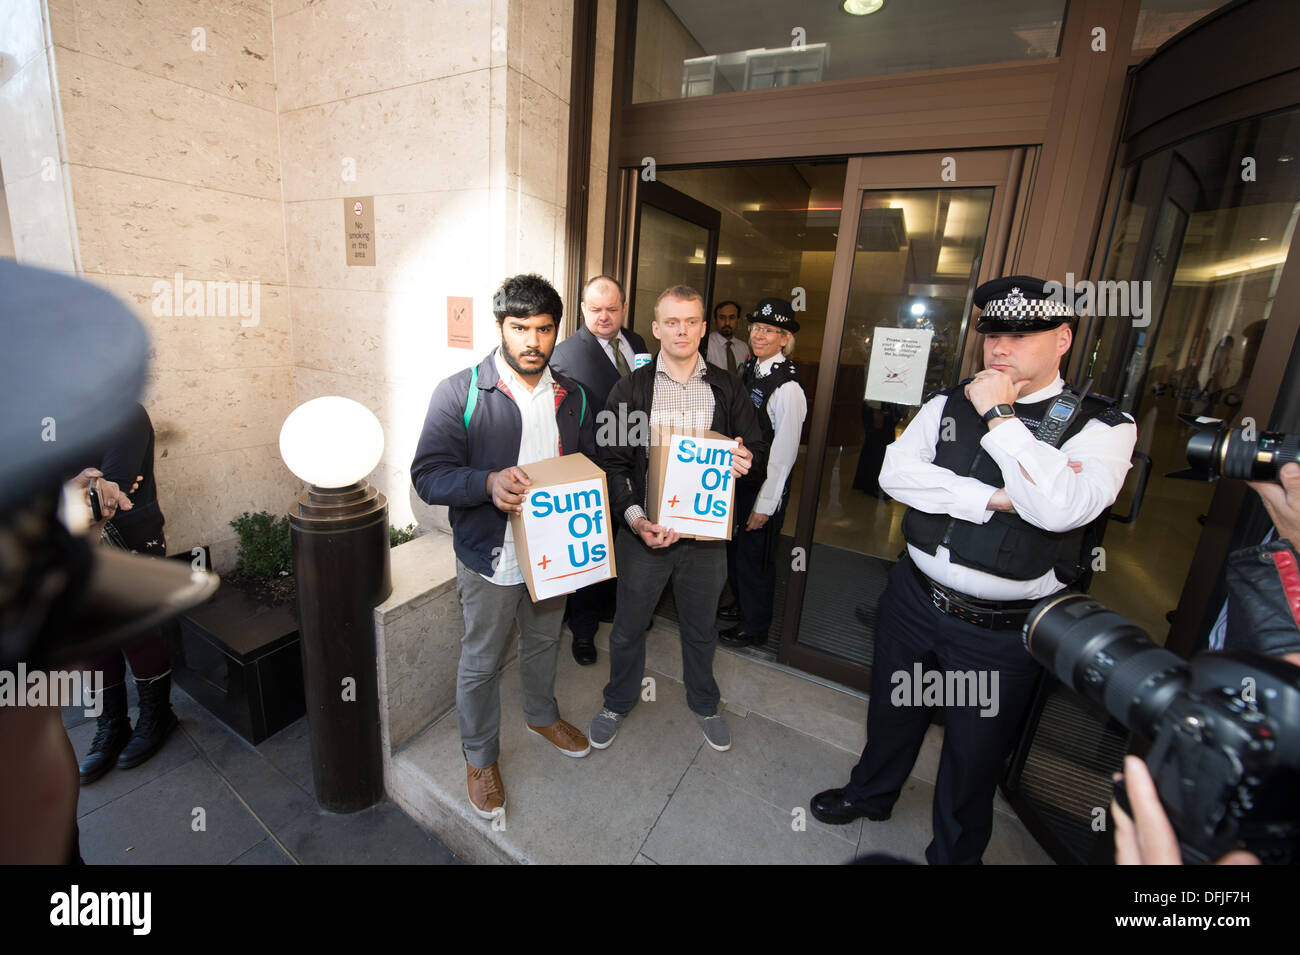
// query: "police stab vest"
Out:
[1006,545]
[760,392]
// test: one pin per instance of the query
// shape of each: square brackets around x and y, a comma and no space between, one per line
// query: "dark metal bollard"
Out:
[341,562]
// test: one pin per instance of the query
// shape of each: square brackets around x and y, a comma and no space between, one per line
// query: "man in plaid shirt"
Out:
[677,389]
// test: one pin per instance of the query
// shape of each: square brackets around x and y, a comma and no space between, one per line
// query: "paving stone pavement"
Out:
[258,804]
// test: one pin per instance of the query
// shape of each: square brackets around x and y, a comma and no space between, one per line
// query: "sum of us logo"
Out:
[75,907]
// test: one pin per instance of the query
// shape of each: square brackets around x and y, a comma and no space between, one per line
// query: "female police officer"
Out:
[773,384]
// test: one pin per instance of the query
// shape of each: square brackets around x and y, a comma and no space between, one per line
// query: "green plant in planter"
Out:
[401,536]
[265,550]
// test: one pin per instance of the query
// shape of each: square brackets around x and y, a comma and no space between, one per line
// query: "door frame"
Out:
[667,199]
[1003,170]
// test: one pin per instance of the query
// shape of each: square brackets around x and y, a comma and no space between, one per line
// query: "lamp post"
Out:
[339,530]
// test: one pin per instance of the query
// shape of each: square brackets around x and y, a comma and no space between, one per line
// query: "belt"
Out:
[989,614]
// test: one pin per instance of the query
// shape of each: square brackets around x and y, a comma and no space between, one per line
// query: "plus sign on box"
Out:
[691,485]
[563,539]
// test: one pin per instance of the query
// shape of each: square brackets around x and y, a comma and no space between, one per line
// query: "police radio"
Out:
[1063,411]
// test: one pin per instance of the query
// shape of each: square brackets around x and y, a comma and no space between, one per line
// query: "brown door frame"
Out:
[1001,169]
[676,203]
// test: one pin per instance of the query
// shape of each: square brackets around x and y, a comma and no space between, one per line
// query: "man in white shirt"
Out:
[774,387]
[483,424]
[724,349]
[998,517]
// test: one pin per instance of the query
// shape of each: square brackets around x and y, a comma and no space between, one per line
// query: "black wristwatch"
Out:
[999,411]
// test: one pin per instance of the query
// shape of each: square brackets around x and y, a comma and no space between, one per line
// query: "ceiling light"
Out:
[860,8]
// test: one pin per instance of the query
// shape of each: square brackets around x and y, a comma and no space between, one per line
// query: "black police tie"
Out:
[619,361]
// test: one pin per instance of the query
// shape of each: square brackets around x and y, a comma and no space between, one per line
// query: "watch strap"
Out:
[999,411]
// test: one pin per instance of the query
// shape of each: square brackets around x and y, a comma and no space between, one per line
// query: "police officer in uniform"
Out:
[998,517]
[773,385]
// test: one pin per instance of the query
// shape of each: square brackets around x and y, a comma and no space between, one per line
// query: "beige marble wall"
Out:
[454,117]
[597,182]
[170,146]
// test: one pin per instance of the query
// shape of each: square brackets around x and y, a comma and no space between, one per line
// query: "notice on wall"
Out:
[460,322]
[359,230]
[899,357]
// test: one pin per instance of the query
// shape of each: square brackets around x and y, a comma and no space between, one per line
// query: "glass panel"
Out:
[917,259]
[779,227]
[689,48]
[670,251]
[1158,20]
[1218,245]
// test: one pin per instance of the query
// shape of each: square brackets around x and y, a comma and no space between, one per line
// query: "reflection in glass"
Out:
[692,48]
[1212,246]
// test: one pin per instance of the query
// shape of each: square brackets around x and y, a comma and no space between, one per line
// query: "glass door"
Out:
[916,236]
[674,242]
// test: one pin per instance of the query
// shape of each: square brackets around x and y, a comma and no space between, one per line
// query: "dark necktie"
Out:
[731,359]
[619,361]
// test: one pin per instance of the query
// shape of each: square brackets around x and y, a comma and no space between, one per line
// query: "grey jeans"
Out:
[489,611]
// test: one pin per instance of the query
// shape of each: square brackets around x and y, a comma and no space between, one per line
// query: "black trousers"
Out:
[975,746]
[751,561]
[698,570]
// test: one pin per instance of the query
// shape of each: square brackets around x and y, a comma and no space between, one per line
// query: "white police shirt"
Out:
[1046,492]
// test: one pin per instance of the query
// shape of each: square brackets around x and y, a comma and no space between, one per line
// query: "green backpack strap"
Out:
[583,417]
[472,399]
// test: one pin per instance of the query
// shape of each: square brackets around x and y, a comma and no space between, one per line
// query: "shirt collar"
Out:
[767,364]
[698,371]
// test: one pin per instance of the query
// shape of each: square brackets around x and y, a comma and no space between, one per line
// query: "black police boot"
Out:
[155,723]
[730,612]
[112,731]
[830,807]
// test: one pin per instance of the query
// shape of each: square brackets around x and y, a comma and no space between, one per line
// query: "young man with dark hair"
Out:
[483,424]
[678,389]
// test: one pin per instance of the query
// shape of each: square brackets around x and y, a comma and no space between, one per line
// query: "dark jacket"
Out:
[626,465]
[582,357]
[130,453]
[452,463]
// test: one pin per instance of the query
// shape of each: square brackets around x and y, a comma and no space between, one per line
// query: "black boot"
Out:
[155,723]
[112,731]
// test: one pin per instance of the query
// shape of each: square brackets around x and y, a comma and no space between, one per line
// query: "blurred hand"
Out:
[656,535]
[756,520]
[1000,502]
[742,459]
[1148,838]
[1282,501]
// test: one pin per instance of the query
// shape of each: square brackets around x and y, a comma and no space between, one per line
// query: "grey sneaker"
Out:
[716,733]
[604,727]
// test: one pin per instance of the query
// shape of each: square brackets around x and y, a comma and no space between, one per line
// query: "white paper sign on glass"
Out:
[567,537]
[697,489]
[899,357]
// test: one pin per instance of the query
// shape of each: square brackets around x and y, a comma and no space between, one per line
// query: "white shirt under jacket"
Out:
[787,408]
[1057,499]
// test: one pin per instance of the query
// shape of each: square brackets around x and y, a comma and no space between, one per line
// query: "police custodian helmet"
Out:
[1018,304]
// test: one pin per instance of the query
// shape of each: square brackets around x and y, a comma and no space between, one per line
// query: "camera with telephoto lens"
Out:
[1214,451]
[1223,728]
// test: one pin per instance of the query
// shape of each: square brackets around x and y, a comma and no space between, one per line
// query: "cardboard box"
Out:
[691,487]
[564,539]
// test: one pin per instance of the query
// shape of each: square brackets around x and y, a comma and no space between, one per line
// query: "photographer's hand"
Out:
[1282,501]
[1148,838]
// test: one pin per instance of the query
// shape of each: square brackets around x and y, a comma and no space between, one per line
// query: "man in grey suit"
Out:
[597,355]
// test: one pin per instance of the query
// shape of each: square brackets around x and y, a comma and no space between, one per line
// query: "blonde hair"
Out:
[683,293]
[788,348]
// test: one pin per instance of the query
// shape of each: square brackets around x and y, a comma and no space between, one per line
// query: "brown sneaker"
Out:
[487,794]
[568,739]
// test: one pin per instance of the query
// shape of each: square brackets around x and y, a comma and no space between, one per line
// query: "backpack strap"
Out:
[472,399]
[583,417]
